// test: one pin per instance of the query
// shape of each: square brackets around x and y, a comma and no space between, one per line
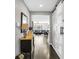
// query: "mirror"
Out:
[24,22]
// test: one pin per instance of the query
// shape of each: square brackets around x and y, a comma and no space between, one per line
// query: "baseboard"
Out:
[55,50]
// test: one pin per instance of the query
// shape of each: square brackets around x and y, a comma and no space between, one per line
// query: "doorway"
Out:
[41,28]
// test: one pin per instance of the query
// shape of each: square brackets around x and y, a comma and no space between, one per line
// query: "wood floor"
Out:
[42,50]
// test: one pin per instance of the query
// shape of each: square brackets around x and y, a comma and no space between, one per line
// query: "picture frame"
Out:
[62,30]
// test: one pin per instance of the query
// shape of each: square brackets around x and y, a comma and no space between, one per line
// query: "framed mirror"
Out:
[24,22]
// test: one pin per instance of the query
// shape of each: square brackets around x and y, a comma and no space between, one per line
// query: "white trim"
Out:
[56,50]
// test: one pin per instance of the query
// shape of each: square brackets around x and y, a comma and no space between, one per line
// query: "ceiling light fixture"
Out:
[41,5]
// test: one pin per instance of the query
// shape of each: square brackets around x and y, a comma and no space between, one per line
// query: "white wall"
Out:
[57,22]
[19,7]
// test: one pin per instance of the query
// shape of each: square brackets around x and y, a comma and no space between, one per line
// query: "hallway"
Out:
[39,29]
[41,50]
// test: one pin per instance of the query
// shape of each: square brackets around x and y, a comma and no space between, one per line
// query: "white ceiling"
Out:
[46,5]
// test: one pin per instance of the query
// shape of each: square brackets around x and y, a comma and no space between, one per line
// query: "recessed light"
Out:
[41,5]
